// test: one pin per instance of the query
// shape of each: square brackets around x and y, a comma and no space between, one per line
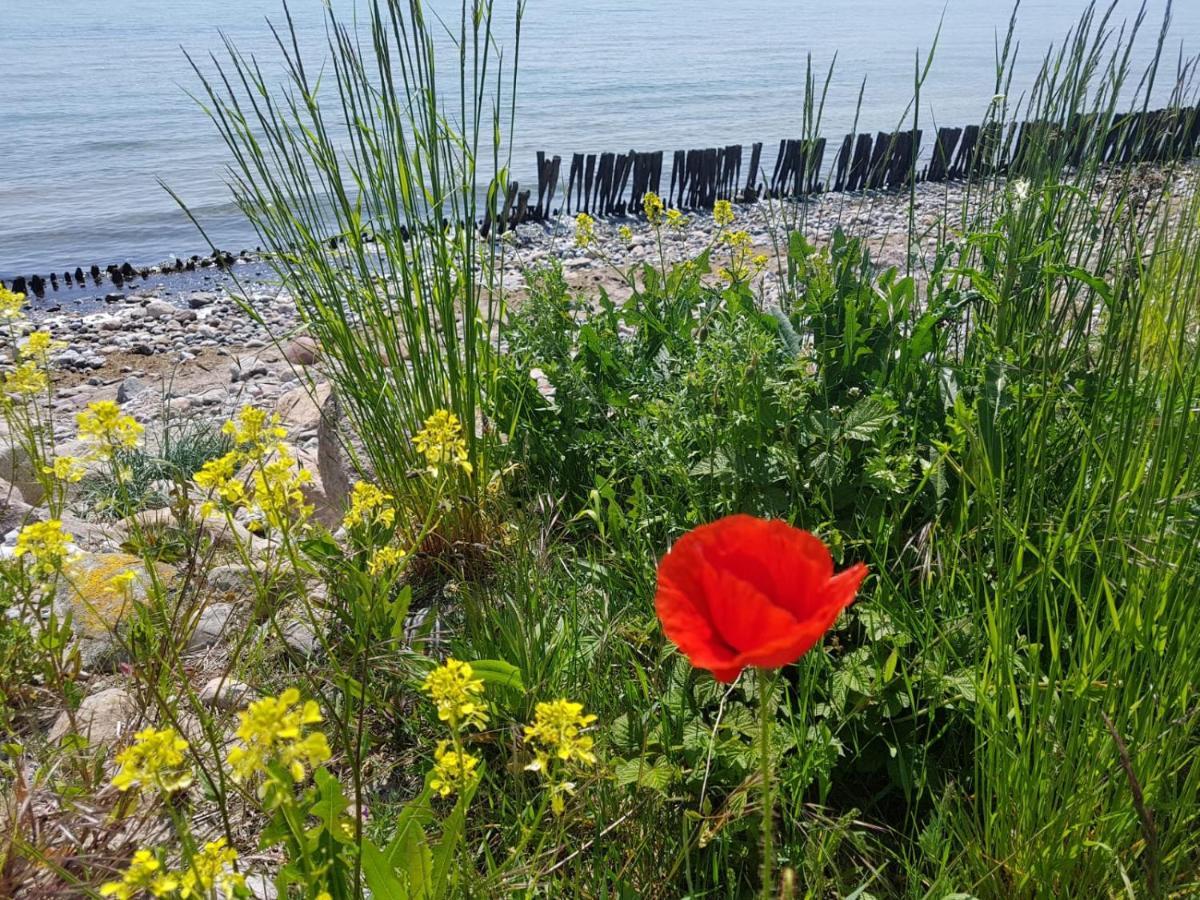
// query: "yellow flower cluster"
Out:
[723,213]
[559,747]
[441,442]
[275,489]
[369,506]
[254,431]
[653,207]
[10,305]
[106,430]
[27,379]
[626,233]
[279,490]
[209,875]
[585,230]
[144,875]
[556,732]
[157,759]
[384,560]
[452,769]
[67,468]
[743,263]
[676,220]
[458,696]
[46,545]
[457,693]
[273,736]
[38,347]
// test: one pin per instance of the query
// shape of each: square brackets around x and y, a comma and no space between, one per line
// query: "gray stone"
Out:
[225,693]
[103,718]
[129,389]
[159,309]
[14,511]
[301,638]
[211,626]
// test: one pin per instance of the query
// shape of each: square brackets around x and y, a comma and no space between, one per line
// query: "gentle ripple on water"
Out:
[93,109]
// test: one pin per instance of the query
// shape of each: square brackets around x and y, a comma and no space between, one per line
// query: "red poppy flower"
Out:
[750,592]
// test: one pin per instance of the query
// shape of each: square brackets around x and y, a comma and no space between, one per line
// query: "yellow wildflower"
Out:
[122,581]
[211,872]
[653,206]
[218,475]
[46,544]
[10,305]
[559,747]
[441,442]
[585,229]
[385,559]
[272,733]
[157,759]
[255,431]
[626,233]
[676,220]
[39,345]
[26,379]
[67,468]
[144,875]
[723,213]
[555,733]
[369,506]
[104,427]
[456,692]
[279,490]
[452,769]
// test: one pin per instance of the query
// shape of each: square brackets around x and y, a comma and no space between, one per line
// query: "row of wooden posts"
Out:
[614,184]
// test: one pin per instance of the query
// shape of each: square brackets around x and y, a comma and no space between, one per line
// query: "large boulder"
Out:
[300,408]
[98,610]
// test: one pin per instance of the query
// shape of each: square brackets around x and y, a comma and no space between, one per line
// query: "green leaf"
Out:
[380,875]
[866,419]
[498,673]
[452,833]
[655,776]
[409,850]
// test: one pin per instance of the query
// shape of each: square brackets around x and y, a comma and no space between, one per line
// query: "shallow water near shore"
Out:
[94,109]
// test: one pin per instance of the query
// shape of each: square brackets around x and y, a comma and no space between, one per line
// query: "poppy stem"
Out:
[765,683]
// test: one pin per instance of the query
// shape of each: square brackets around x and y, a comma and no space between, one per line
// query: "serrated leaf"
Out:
[866,419]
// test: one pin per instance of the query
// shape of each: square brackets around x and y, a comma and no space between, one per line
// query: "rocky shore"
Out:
[164,350]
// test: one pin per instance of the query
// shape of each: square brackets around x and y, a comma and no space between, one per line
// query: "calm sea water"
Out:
[94,108]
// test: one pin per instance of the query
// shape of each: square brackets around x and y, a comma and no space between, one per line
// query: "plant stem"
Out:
[768,795]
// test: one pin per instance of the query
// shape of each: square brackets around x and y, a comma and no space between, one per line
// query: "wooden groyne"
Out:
[614,184]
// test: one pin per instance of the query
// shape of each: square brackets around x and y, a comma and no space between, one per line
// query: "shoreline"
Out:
[193,349]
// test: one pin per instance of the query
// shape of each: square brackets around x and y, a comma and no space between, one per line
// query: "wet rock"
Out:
[104,718]
[159,309]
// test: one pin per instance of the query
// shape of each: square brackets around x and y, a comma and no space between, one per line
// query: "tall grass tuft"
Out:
[362,178]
